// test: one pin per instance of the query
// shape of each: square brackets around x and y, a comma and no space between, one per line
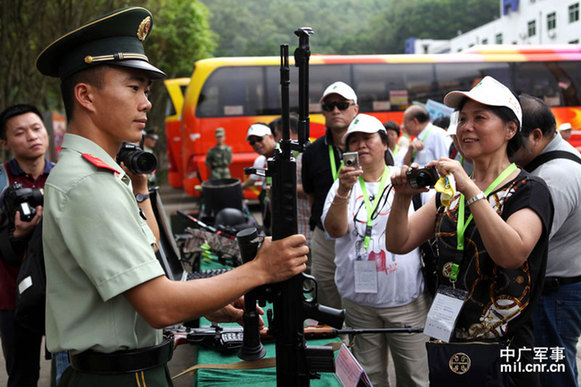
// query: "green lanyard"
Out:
[334,170]
[368,206]
[461,225]
[423,139]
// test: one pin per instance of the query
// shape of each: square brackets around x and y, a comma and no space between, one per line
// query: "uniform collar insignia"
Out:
[98,162]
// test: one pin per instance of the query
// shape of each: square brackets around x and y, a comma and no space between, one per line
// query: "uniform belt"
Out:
[552,284]
[120,362]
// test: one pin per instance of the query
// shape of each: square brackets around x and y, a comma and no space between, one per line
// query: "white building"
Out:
[520,22]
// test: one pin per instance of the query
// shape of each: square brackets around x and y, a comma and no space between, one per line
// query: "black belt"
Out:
[552,284]
[120,362]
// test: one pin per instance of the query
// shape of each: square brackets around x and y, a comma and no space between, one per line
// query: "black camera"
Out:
[24,200]
[136,159]
[422,177]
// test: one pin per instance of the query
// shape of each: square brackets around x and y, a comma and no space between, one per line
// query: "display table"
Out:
[254,377]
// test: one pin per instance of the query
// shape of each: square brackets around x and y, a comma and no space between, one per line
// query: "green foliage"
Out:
[258,27]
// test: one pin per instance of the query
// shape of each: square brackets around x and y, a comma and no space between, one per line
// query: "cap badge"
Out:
[143,29]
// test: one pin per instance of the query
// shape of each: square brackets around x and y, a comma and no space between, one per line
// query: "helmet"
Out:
[229,217]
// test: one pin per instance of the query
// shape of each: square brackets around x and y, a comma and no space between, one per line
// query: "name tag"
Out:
[444,313]
[365,277]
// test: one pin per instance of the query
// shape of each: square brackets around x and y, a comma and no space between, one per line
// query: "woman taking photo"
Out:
[379,289]
[491,236]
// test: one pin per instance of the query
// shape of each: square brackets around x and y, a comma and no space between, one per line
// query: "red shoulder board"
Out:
[98,162]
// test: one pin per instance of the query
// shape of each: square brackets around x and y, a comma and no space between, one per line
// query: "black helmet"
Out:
[229,217]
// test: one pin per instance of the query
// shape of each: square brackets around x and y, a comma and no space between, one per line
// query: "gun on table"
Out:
[296,363]
[225,339]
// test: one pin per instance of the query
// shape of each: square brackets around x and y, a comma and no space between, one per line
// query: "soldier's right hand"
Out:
[282,259]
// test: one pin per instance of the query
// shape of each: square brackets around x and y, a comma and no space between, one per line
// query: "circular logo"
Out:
[143,28]
[460,363]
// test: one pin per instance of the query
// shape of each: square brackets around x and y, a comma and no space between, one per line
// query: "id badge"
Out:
[444,312]
[365,277]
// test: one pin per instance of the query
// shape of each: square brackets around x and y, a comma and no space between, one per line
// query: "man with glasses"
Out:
[321,163]
[261,139]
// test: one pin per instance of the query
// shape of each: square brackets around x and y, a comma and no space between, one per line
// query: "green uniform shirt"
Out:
[96,246]
[219,159]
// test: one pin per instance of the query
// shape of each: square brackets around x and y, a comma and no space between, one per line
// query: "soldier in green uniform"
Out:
[219,157]
[107,295]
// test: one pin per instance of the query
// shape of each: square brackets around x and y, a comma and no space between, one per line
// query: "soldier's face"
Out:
[26,136]
[122,104]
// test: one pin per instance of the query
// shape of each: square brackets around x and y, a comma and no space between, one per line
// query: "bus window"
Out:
[464,76]
[321,76]
[557,83]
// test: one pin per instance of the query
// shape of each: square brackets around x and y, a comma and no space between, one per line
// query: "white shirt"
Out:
[399,278]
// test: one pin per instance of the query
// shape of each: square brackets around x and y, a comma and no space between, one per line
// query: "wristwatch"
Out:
[479,196]
[141,197]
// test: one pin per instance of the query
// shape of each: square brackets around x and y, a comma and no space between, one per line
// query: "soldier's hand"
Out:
[282,259]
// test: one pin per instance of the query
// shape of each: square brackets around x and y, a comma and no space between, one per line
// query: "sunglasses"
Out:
[341,105]
[253,141]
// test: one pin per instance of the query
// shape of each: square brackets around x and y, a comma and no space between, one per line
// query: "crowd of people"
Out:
[502,216]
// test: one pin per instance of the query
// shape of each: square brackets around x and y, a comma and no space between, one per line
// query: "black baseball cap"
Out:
[115,39]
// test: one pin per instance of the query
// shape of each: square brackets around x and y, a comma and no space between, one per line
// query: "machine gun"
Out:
[296,363]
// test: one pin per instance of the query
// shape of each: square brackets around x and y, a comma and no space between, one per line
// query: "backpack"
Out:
[543,158]
[31,279]
[31,285]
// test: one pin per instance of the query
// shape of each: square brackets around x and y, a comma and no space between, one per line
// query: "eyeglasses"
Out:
[341,105]
[253,141]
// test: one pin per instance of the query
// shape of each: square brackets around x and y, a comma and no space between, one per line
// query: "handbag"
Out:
[474,364]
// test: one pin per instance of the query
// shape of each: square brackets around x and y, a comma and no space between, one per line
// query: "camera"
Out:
[24,200]
[422,177]
[351,159]
[136,159]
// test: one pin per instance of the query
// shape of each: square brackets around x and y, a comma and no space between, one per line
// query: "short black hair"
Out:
[392,125]
[93,76]
[442,122]
[536,114]
[13,111]
[276,124]
[506,115]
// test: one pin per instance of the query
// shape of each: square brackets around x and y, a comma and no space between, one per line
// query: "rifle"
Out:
[296,363]
[224,339]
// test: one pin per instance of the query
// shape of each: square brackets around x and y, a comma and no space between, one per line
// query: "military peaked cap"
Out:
[115,39]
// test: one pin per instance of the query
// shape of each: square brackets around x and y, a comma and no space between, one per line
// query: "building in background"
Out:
[520,22]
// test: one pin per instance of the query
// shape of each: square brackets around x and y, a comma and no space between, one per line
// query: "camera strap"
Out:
[462,224]
[334,169]
[368,206]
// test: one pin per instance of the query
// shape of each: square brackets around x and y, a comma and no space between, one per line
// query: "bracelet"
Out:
[479,196]
[341,196]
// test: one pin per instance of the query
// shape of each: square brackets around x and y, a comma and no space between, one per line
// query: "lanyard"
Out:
[461,225]
[368,206]
[334,170]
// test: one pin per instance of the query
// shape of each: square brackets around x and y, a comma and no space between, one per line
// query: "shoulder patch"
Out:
[98,162]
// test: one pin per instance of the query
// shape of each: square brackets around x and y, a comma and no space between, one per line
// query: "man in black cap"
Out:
[107,296]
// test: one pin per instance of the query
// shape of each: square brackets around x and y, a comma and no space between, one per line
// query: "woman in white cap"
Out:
[379,289]
[492,236]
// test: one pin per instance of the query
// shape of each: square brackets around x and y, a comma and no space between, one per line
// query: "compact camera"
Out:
[422,177]
[351,159]
[24,200]
[136,159]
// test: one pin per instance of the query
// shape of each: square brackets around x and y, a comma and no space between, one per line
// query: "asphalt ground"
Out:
[184,355]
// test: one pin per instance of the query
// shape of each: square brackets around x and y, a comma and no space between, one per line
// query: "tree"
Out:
[180,36]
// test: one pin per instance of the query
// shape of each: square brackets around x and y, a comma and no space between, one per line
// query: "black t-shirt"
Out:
[500,301]
[316,174]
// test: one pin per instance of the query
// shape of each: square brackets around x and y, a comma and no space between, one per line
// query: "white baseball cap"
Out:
[364,123]
[487,92]
[453,123]
[259,130]
[565,126]
[341,88]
